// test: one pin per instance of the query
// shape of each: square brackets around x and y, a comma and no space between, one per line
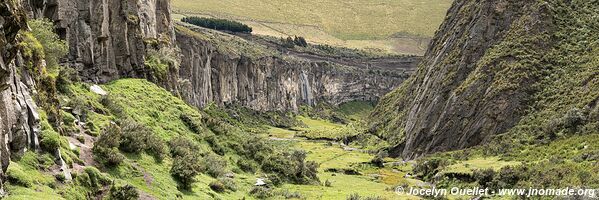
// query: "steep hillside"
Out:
[395,26]
[513,72]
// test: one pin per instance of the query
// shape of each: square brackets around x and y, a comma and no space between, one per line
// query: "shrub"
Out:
[184,170]
[65,77]
[92,178]
[137,138]
[54,47]
[108,156]
[125,192]
[300,41]
[217,186]
[356,196]
[133,136]
[327,183]
[290,195]
[192,122]
[161,61]
[261,192]
[218,24]
[378,160]
[110,137]
[484,177]
[291,167]
[181,146]
[229,183]
[427,169]
[288,42]
[214,165]
[247,165]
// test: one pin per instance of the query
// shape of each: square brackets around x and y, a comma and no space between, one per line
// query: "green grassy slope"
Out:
[353,23]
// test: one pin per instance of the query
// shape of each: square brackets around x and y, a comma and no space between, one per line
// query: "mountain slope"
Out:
[525,68]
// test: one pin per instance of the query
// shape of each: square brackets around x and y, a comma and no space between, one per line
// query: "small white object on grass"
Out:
[98,90]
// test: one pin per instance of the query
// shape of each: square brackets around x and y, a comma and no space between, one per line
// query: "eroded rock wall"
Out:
[271,81]
[494,68]
[19,120]
[108,38]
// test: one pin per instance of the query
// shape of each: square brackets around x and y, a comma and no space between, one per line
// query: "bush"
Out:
[290,195]
[181,146]
[125,192]
[327,183]
[484,177]
[184,170]
[54,47]
[65,77]
[261,192]
[379,159]
[229,183]
[92,178]
[113,107]
[133,136]
[192,122]
[291,167]
[427,169]
[218,24]
[246,165]
[217,186]
[108,156]
[161,61]
[214,165]
[356,196]
[300,41]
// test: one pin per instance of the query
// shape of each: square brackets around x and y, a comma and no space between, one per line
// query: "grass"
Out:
[322,129]
[342,185]
[356,110]
[332,156]
[280,133]
[468,166]
[383,24]
[161,112]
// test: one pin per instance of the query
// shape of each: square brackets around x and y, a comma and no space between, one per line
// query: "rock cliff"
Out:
[108,38]
[227,69]
[18,112]
[495,67]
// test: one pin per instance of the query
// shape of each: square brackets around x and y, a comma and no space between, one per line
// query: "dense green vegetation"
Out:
[218,24]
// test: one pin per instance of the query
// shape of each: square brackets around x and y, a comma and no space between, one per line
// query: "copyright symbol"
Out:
[399,190]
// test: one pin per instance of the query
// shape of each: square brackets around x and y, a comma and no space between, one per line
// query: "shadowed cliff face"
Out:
[268,81]
[19,120]
[484,70]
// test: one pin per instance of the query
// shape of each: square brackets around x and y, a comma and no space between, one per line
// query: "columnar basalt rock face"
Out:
[19,120]
[272,82]
[108,38]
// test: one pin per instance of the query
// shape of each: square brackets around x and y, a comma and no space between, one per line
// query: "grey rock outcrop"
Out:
[270,81]
[108,38]
[19,120]
[487,71]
